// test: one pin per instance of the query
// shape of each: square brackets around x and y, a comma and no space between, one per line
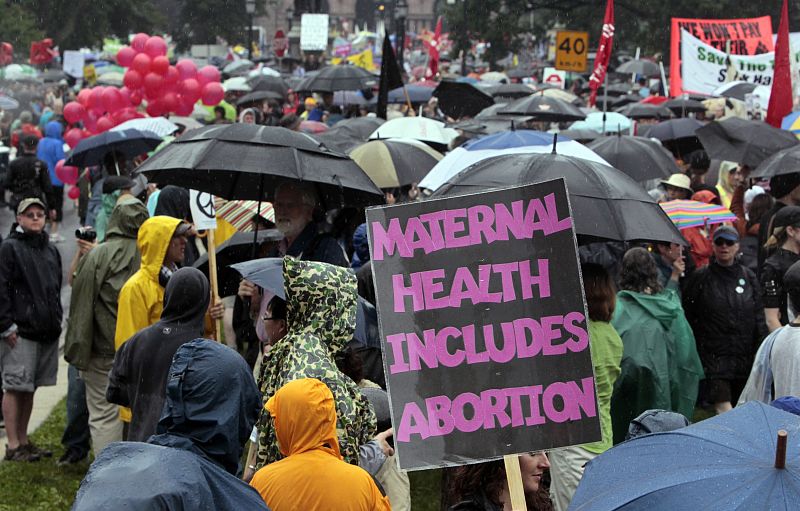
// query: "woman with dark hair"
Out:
[660,366]
[567,464]
[483,487]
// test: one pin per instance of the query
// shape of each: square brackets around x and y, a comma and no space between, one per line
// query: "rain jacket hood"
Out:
[664,311]
[126,218]
[181,304]
[153,241]
[320,316]
[304,415]
[211,405]
[51,149]
[53,129]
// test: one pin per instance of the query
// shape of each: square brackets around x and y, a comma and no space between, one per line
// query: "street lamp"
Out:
[250,5]
[400,15]
[289,19]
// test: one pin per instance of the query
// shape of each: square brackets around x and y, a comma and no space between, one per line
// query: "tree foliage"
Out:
[18,27]
[202,21]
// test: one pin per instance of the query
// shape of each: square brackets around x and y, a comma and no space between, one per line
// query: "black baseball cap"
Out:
[786,216]
[726,232]
[113,183]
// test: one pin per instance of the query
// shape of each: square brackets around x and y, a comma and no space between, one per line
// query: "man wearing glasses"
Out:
[30,323]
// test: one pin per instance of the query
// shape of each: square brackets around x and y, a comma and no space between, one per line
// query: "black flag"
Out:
[390,76]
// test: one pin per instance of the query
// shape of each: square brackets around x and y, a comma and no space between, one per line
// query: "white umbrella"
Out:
[186,122]
[494,76]
[238,84]
[266,71]
[8,103]
[158,125]
[418,128]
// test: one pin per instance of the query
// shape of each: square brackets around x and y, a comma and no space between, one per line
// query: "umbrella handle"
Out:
[780,449]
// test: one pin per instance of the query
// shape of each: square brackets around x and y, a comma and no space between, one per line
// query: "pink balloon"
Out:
[136,98]
[74,192]
[153,84]
[96,99]
[104,124]
[72,137]
[83,96]
[90,122]
[154,108]
[66,173]
[207,74]
[184,108]
[186,69]
[190,89]
[138,41]
[160,65]
[155,46]
[74,112]
[169,102]
[125,56]
[132,79]
[172,76]
[126,97]
[212,93]
[112,99]
[141,63]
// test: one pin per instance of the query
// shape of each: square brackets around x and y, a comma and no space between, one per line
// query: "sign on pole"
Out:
[73,63]
[571,50]
[314,32]
[552,76]
[483,325]
[204,217]
[280,43]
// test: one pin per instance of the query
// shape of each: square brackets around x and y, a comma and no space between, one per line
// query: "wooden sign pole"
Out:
[514,478]
[212,277]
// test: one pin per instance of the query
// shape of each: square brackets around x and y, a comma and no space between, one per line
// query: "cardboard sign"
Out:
[314,32]
[73,63]
[204,214]
[747,36]
[571,50]
[554,77]
[483,325]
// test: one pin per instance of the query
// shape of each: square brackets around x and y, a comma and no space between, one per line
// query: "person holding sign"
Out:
[660,365]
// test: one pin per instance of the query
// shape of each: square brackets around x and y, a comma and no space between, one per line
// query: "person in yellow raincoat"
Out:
[313,476]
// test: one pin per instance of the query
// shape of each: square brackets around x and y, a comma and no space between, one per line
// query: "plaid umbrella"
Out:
[689,213]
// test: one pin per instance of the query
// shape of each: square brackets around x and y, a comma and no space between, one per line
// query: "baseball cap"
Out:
[786,216]
[726,232]
[26,203]
[309,101]
[791,279]
[113,183]
[181,229]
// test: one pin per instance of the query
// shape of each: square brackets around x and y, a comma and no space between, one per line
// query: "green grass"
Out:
[426,490]
[42,485]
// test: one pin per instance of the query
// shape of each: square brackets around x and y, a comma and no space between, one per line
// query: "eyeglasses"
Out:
[721,241]
[269,318]
[34,216]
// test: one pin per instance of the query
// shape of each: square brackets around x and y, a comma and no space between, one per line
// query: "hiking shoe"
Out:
[34,449]
[71,457]
[20,454]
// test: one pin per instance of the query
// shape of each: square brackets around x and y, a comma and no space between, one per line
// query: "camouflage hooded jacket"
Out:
[320,315]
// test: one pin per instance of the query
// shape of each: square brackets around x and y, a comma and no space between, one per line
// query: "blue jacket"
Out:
[211,405]
[51,149]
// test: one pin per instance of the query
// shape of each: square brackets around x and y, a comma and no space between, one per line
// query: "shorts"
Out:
[58,202]
[721,391]
[28,365]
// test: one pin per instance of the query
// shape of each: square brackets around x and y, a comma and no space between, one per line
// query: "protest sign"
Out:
[747,36]
[483,325]
[204,217]
[314,32]
[73,63]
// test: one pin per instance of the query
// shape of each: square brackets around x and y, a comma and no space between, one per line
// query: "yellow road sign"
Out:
[571,50]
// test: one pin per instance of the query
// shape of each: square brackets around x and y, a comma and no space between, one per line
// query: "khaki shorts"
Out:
[28,365]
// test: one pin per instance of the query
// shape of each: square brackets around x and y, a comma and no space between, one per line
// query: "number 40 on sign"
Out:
[571,50]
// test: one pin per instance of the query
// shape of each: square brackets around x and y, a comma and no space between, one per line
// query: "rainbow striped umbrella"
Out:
[240,213]
[690,213]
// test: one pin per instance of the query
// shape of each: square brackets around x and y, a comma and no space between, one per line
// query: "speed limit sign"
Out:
[571,50]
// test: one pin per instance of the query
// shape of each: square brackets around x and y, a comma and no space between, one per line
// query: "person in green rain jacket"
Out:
[660,366]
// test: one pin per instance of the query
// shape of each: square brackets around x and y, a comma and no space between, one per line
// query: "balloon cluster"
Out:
[69,175]
[150,77]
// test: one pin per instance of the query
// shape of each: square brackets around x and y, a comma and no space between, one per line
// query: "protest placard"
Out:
[204,217]
[314,32]
[483,325]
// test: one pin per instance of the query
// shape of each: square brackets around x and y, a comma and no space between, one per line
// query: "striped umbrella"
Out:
[240,213]
[792,123]
[395,162]
[689,213]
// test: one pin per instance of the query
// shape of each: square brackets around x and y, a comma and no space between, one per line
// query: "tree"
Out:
[18,27]
[202,21]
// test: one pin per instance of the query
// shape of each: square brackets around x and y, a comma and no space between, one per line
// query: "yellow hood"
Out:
[153,241]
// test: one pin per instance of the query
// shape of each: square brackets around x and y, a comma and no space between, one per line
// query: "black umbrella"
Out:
[236,249]
[627,99]
[333,78]
[639,157]
[260,95]
[786,161]
[53,75]
[491,124]
[580,135]
[645,111]
[615,89]
[508,90]
[677,135]
[349,133]
[745,142]
[681,107]
[639,67]
[544,108]
[457,99]
[521,72]
[491,110]
[130,143]
[267,273]
[247,161]
[606,203]
[736,90]
[268,83]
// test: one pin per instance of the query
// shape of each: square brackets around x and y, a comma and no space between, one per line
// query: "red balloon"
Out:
[66,173]
[132,79]
[125,56]
[184,108]
[90,122]
[104,124]
[212,93]
[207,74]
[141,63]
[154,108]
[155,46]
[126,97]
[96,99]
[136,98]
[159,65]
[138,41]
[74,112]
[112,99]
[72,137]
[186,69]
[83,96]
[74,192]
[190,89]
[173,76]
[153,84]
[169,102]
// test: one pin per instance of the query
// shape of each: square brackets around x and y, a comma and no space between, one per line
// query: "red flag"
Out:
[603,53]
[433,50]
[780,99]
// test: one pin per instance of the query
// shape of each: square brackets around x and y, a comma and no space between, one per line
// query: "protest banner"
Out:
[747,36]
[314,32]
[204,217]
[483,325]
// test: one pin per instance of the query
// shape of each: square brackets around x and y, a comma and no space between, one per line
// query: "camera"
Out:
[86,234]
